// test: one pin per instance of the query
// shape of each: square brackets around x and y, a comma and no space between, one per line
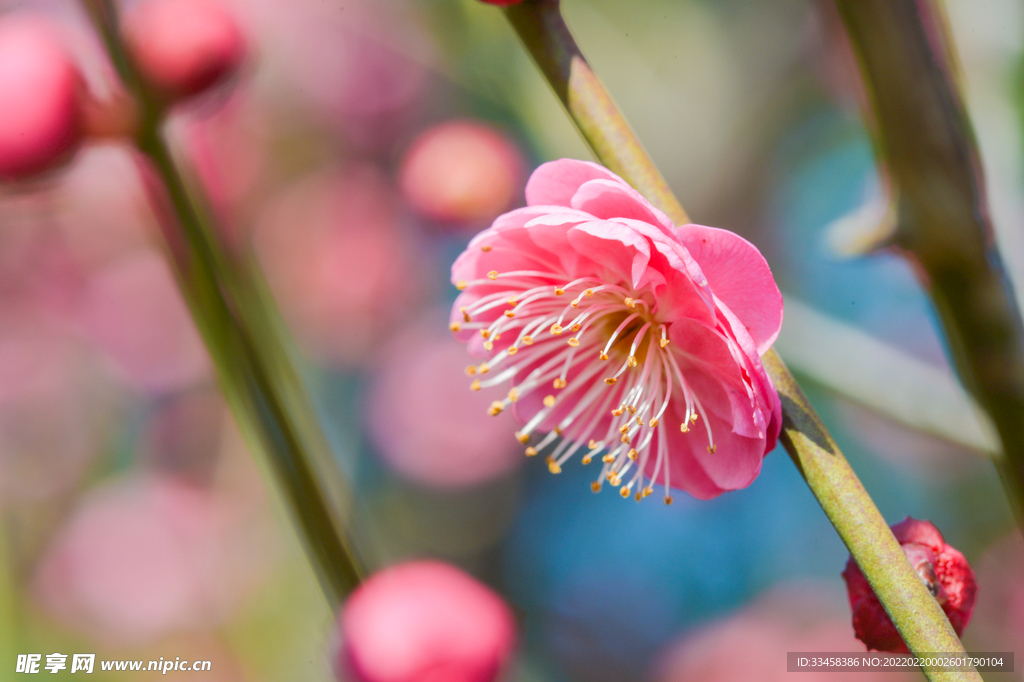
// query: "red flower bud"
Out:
[182,47]
[424,620]
[40,98]
[943,570]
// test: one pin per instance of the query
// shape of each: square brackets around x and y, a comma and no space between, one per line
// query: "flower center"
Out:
[598,359]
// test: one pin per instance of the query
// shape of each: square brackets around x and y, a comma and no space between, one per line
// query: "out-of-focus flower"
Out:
[665,327]
[943,570]
[337,262]
[752,644]
[426,424]
[40,98]
[183,47]
[144,558]
[362,70]
[425,621]
[133,311]
[462,172]
[54,406]
[998,620]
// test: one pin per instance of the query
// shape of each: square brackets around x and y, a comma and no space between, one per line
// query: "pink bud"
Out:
[183,47]
[943,570]
[462,172]
[39,98]
[425,621]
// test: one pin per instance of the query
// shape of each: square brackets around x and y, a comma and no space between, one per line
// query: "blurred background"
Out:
[365,143]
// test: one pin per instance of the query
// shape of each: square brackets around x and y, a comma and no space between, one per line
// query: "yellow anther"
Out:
[455,326]
[484,369]
[631,361]
[496,408]
[488,345]
[556,328]
[486,333]
[465,315]
[493,274]
[593,444]
[615,480]
[512,350]
[639,421]
[693,417]
[663,343]
[574,342]
[668,499]
[624,428]
[648,491]
[497,336]
[461,284]
[509,314]
[513,394]
[712,448]
[475,386]
[603,356]
[558,430]
[485,248]
[576,327]
[610,380]
[632,454]
[527,340]
[559,291]
[595,486]
[587,459]
[531,451]
[513,301]
[471,370]
[559,382]
[608,459]
[618,412]
[523,438]
[630,303]
[684,427]
[588,293]
[639,496]
[653,423]
[625,440]
[631,408]
[549,401]
[575,303]
[624,492]
[553,467]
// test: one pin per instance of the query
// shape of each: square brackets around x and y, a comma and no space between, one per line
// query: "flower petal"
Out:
[740,277]
[610,199]
[555,182]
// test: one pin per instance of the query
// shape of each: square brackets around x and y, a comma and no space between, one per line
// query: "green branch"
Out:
[246,341]
[914,611]
[924,136]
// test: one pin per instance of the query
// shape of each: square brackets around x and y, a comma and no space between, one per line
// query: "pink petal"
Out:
[555,182]
[614,247]
[740,277]
[614,199]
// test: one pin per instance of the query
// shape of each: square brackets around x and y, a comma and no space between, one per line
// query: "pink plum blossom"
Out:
[424,422]
[40,98]
[943,569]
[625,333]
[425,621]
[462,172]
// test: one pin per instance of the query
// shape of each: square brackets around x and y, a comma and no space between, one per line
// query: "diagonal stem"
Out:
[245,339]
[924,136]
[913,609]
